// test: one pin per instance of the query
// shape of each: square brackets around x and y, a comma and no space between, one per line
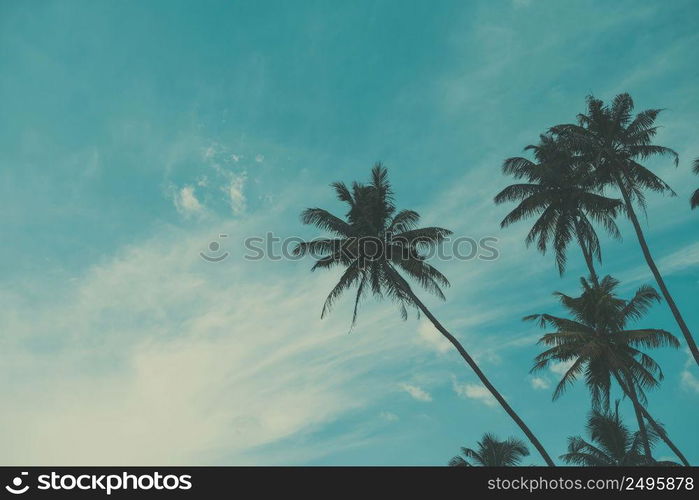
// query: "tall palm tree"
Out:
[612,444]
[695,197]
[560,193]
[614,142]
[492,453]
[376,245]
[598,344]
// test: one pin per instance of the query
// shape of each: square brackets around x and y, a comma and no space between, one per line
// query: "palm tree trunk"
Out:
[631,393]
[469,360]
[657,428]
[658,277]
[663,435]
[587,254]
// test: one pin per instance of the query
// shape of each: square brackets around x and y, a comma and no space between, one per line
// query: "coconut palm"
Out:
[377,246]
[613,444]
[695,197]
[492,453]
[560,194]
[614,142]
[599,344]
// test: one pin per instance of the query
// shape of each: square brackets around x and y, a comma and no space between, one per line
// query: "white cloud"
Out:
[158,357]
[473,391]
[388,416]
[539,383]
[688,380]
[186,201]
[259,158]
[235,193]
[561,367]
[417,393]
[431,338]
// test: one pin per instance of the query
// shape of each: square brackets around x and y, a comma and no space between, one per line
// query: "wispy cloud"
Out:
[539,383]
[473,391]
[416,392]
[186,202]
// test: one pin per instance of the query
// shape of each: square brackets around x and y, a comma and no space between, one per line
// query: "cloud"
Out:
[539,383]
[417,393]
[473,391]
[259,158]
[431,338]
[688,380]
[388,416]
[235,193]
[561,367]
[186,202]
[155,356]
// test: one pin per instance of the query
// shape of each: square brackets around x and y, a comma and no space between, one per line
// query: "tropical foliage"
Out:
[491,452]
[581,177]
[611,444]
[375,244]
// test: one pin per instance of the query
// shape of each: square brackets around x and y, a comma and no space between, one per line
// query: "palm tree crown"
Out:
[492,453]
[563,197]
[372,243]
[613,444]
[613,142]
[597,342]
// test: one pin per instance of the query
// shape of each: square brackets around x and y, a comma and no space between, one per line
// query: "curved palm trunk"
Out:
[587,254]
[469,360]
[658,277]
[631,393]
[657,428]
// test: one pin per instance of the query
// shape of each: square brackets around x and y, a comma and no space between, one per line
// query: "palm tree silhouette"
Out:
[613,143]
[375,244]
[612,444]
[598,344]
[560,193]
[492,453]
[695,197]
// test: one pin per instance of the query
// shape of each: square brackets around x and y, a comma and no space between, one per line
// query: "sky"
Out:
[134,134]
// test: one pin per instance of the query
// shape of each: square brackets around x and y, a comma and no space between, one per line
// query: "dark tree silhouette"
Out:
[599,345]
[614,142]
[492,453]
[375,245]
[612,445]
[562,196]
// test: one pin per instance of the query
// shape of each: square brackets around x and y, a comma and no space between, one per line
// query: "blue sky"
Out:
[132,134]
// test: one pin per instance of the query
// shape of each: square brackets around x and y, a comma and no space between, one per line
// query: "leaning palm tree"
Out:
[612,444]
[375,245]
[614,143]
[695,197]
[492,453]
[598,344]
[563,199]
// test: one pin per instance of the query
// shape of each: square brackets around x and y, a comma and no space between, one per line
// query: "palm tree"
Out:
[492,453]
[562,196]
[695,197]
[613,143]
[598,344]
[376,245]
[612,444]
